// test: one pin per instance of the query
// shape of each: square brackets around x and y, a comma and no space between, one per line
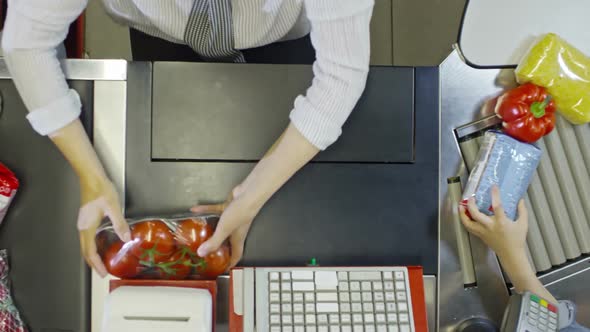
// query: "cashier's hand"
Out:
[99,199]
[237,214]
[501,234]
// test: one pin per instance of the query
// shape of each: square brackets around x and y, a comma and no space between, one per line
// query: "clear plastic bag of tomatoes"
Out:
[163,248]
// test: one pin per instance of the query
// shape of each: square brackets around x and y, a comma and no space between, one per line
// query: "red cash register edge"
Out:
[210,285]
[416,280]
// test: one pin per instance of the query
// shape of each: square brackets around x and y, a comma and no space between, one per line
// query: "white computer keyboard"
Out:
[319,299]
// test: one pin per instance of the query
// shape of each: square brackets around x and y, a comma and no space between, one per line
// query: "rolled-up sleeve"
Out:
[33,31]
[340,34]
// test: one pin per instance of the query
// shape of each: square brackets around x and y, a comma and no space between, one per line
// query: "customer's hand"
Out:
[237,214]
[99,199]
[501,234]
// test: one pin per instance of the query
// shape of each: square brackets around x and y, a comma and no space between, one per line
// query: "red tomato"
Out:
[191,233]
[216,263]
[152,241]
[120,262]
[178,266]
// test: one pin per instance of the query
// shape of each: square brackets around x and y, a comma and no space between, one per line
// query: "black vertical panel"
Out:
[50,281]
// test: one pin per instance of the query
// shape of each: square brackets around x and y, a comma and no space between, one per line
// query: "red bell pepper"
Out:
[527,112]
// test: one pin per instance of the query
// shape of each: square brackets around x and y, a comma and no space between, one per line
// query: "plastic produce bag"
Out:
[8,187]
[10,320]
[564,71]
[163,248]
[507,163]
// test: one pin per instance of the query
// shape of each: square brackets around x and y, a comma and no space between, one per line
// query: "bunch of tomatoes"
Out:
[163,249]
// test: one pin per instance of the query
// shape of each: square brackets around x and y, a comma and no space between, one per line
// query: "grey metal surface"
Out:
[464,91]
[48,276]
[559,211]
[342,214]
[94,70]
[235,112]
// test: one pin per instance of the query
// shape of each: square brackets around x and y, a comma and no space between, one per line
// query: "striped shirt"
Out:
[339,31]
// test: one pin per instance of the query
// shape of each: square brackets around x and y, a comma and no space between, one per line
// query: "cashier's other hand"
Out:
[501,234]
[237,214]
[99,199]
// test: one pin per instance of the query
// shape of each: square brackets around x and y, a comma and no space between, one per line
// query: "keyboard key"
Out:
[552,314]
[286,286]
[323,329]
[404,328]
[302,286]
[275,319]
[532,322]
[399,275]
[326,307]
[275,329]
[368,307]
[322,319]
[287,328]
[357,318]
[286,297]
[275,308]
[387,275]
[355,286]
[345,318]
[334,318]
[309,297]
[298,319]
[401,296]
[358,328]
[391,307]
[533,316]
[356,307]
[542,321]
[552,326]
[390,296]
[346,328]
[344,297]
[285,276]
[380,318]
[274,297]
[534,310]
[286,308]
[310,319]
[369,318]
[327,297]
[298,297]
[380,307]
[403,318]
[344,307]
[273,276]
[552,320]
[369,328]
[400,285]
[355,297]
[381,328]
[402,307]
[388,285]
[377,285]
[365,275]
[343,286]
[392,318]
[342,275]
[378,296]
[542,327]
[310,307]
[298,308]
[302,275]
[544,315]
[274,287]
[286,319]
[367,297]
[366,285]
[334,328]
[326,280]
[299,328]
[393,328]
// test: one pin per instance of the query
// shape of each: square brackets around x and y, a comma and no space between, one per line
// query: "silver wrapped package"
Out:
[507,163]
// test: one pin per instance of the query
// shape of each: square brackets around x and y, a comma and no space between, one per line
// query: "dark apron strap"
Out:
[209,31]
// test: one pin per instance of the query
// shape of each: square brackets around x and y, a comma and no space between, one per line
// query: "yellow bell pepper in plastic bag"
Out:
[564,71]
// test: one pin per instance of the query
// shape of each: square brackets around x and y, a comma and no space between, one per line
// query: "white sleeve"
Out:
[340,34]
[32,32]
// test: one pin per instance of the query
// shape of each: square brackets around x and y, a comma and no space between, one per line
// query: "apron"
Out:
[209,31]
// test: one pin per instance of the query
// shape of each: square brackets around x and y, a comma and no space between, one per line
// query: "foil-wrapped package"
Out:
[507,163]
